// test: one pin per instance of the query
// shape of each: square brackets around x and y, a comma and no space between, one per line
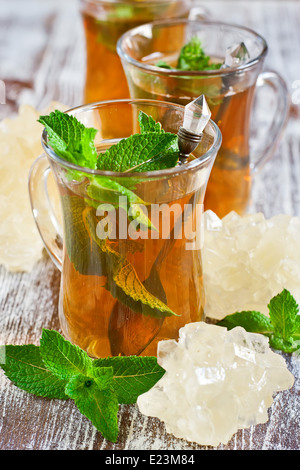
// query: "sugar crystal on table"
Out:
[216,382]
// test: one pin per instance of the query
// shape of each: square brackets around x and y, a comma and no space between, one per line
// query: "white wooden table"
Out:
[42,59]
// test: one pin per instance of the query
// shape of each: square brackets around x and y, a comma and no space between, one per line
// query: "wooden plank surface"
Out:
[42,59]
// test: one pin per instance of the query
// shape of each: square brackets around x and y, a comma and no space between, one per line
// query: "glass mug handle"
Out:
[48,226]
[198,12]
[267,143]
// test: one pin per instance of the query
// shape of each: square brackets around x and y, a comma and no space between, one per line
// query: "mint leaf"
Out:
[282,328]
[252,321]
[25,368]
[140,152]
[99,406]
[283,311]
[286,345]
[132,375]
[93,256]
[105,189]
[74,142]
[163,64]
[83,252]
[148,124]
[96,386]
[103,376]
[61,357]
[122,279]
[192,57]
[70,139]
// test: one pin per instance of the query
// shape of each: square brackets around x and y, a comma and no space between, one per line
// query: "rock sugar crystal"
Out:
[20,144]
[216,382]
[249,259]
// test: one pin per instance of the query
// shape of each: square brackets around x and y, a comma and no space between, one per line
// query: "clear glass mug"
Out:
[231,94]
[104,21]
[122,293]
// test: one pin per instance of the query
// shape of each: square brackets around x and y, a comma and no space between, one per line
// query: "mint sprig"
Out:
[58,369]
[70,139]
[282,326]
[150,150]
[74,142]
[192,58]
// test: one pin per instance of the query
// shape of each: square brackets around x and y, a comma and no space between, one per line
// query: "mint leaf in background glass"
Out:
[162,64]
[282,327]
[192,58]
[70,139]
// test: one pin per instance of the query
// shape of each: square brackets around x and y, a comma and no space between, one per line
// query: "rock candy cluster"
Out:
[20,144]
[249,259]
[216,382]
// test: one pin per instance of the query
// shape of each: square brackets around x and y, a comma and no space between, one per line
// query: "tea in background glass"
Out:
[150,54]
[104,22]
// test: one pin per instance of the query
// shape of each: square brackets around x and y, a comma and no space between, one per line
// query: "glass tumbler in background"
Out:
[104,22]
[230,92]
[122,293]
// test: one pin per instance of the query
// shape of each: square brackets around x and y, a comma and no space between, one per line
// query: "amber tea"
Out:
[131,262]
[104,22]
[105,320]
[231,175]
[151,66]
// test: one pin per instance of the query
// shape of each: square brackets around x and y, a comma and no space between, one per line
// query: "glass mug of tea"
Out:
[104,21]
[235,94]
[123,293]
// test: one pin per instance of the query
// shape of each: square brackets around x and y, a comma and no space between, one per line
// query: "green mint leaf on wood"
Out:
[70,139]
[103,376]
[99,406]
[253,321]
[282,326]
[25,368]
[61,357]
[97,386]
[283,311]
[132,375]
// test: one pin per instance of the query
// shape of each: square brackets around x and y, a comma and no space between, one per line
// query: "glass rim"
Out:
[190,73]
[194,164]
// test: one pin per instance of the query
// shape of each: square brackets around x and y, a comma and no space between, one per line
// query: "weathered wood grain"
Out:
[42,59]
